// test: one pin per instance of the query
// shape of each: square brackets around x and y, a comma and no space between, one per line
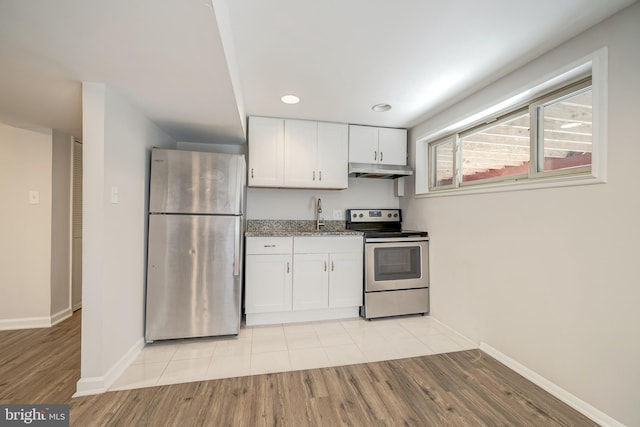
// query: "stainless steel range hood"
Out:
[374,170]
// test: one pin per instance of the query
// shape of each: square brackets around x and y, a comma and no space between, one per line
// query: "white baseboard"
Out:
[35,322]
[77,306]
[578,404]
[60,316]
[96,385]
[25,323]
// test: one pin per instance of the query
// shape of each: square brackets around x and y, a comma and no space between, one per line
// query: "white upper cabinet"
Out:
[333,155]
[363,144]
[300,145]
[369,144]
[314,154]
[392,146]
[266,154]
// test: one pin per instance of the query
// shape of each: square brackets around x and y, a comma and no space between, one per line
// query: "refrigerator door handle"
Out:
[236,250]
[240,176]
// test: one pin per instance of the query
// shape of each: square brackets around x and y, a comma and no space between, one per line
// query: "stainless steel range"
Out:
[396,264]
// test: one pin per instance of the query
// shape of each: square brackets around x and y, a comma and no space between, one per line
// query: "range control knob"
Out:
[360,215]
[389,215]
[355,215]
[395,215]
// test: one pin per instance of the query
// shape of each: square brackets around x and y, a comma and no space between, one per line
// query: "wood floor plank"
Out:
[467,388]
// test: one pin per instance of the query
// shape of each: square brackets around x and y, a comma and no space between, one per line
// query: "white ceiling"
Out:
[198,73]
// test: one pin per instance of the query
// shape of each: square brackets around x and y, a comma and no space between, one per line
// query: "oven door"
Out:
[396,265]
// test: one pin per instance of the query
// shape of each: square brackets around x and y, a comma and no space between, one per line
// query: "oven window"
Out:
[397,263]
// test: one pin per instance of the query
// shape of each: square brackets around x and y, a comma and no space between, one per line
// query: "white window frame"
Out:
[503,118]
[594,65]
[455,144]
[537,149]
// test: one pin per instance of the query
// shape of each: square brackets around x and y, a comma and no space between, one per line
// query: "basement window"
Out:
[548,136]
[501,150]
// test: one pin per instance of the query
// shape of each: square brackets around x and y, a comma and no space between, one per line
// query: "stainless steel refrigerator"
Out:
[194,264]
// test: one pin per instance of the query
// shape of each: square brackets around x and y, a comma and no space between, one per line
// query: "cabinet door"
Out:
[268,283]
[392,146]
[333,155]
[363,144]
[310,281]
[345,279]
[266,152]
[300,142]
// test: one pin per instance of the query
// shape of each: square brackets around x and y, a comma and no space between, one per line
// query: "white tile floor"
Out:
[280,348]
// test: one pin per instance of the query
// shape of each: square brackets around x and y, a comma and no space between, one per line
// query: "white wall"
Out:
[267,203]
[117,140]
[263,203]
[25,229]
[61,224]
[214,148]
[549,277]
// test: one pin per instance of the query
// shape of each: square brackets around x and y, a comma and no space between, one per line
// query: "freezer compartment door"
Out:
[194,276]
[196,183]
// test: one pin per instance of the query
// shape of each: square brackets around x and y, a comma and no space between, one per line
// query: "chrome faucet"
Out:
[319,220]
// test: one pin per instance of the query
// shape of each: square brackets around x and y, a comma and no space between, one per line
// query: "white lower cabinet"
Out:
[268,274]
[268,283]
[320,279]
[344,267]
[312,281]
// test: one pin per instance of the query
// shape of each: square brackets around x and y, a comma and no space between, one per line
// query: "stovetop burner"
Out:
[380,223]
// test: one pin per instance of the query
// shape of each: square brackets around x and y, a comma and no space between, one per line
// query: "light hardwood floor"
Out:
[455,389]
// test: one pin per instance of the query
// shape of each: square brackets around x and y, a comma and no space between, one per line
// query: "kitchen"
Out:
[528,321]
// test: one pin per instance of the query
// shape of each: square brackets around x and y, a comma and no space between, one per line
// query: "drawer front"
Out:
[322,244]
[269,245]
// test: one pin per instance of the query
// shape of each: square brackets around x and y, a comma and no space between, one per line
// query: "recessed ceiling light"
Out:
[379,108]
[570,125]
[290,99]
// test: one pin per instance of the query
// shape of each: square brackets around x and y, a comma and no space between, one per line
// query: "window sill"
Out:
[516,185]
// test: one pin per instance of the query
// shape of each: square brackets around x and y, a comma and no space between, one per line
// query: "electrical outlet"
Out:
[338,214]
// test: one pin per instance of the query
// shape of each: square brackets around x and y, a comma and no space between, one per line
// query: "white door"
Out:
[300,142]
[345,279]
[266,152]
[268,280]
[363,144]
[310,281]
[392,146]
[76,243]
[333,155]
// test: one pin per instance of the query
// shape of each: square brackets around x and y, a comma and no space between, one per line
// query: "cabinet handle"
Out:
[375,155]
[251,172]
[325,266]
[331,265]
[381,156]
[269,246]
[288,269]
[320,173]
[314,175]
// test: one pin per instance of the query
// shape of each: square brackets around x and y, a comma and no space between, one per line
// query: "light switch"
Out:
[114,194]
[34,197]
[337,214]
